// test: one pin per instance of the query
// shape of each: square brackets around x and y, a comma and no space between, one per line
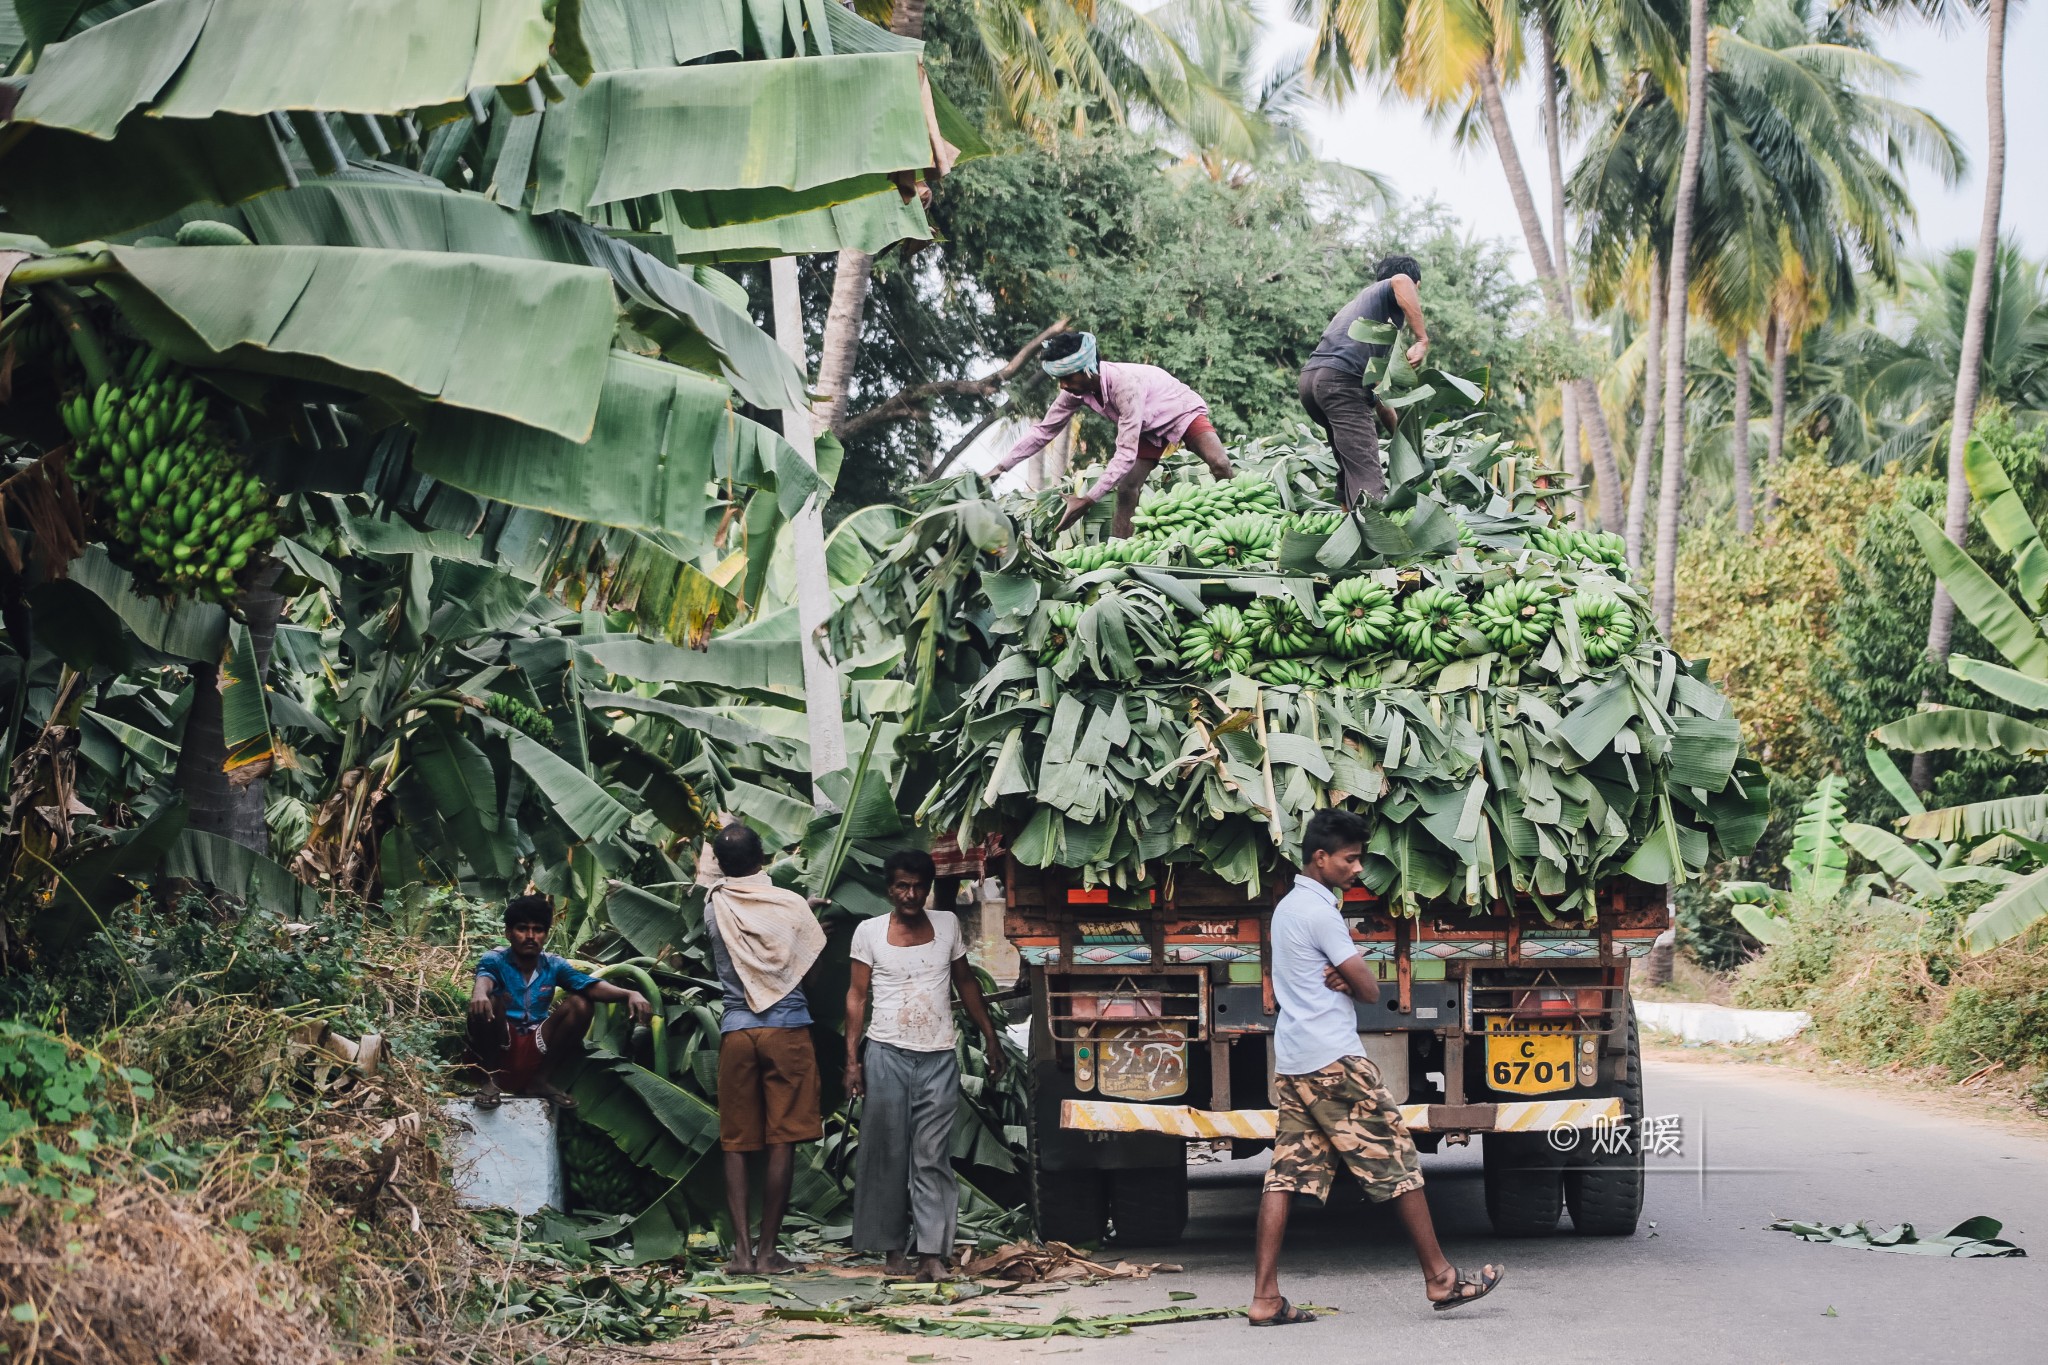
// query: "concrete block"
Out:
[505,1157]
[1721,1024]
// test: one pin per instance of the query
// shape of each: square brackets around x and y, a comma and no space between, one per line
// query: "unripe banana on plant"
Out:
[1358,616]
[1607,629]
[1517,616]
[1429,627]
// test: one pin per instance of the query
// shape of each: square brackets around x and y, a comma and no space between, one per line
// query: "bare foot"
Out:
[554,1095]
[742,1263]
[773,1263]
[896,1263]
[931,1269]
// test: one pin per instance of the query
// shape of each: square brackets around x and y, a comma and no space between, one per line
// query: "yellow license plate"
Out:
[1521,1064]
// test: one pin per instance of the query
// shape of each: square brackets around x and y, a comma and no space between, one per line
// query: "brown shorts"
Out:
[767,1088]
[1341,1113]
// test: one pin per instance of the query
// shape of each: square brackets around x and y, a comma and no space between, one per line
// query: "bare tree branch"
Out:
[988,419]
[915,401]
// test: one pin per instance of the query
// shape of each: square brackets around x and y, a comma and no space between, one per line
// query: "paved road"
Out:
[1709,1285]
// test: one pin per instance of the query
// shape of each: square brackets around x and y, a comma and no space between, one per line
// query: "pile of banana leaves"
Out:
[1530,734]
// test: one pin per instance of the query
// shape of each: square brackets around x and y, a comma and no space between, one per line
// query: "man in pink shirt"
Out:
[1153,412]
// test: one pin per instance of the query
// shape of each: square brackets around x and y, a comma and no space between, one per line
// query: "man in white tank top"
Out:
[900,1062]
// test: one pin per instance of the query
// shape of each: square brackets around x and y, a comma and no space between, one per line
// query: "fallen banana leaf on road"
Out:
[1033,1263]
[961,1325]
[1972,1237]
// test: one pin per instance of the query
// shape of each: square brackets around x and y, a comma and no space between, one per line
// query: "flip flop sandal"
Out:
[489,1098]
[1479,1283]
[1288,1316]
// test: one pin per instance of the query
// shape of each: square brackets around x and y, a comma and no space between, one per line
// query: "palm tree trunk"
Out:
[823,713]
[852,272]
[213,804]
[1653,407]
[1738,436]
[1553,137]
[1778,340]
[1942,620]
[1671,487]
[1555,289]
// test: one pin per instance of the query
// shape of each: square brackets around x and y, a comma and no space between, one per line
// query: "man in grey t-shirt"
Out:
[1332,1105]
[1333,389]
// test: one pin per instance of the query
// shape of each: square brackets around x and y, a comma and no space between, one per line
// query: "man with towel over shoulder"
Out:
[763,940]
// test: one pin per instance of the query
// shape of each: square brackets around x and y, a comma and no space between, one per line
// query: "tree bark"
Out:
[1653,407]
[1779,341]
[823,712]
[214,805]
[1671,487]
[1555,289]
[1553,138]
[1738,436]
[1956,522]
[852,272]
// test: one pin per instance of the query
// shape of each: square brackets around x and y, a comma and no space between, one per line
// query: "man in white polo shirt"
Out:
[1332,1104]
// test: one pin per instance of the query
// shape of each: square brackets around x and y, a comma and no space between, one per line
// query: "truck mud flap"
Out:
[1184,1122]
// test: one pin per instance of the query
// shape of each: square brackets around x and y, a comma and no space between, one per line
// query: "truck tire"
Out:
[1524,1189]
[1604,1190]
[1069,1206]
[1148,1207]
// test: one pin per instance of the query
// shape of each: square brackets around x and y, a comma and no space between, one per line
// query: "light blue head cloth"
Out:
[1080,362]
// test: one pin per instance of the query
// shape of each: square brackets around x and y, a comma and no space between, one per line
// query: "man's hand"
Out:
[480,999]
[638,1008]
[997,1062]
[1417,352]
[1077,507]
[856,1083]
[1334,979]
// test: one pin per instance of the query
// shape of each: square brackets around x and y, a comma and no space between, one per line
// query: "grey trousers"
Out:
[1344,408]
[904,1198]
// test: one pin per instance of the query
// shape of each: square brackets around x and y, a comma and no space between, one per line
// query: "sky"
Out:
[1392,137]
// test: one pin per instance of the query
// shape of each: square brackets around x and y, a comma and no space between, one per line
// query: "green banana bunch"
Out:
[1312,523]
[1289,673]
[1059,636]
[1088,558]
[1279,628]
[1428,630]
[520,717]
[1218,643]
[1607,628]
[1516,617]
[174,504]
[1602,547]
[1358,616]
[602,1178]
[1238,542]
[1188,509]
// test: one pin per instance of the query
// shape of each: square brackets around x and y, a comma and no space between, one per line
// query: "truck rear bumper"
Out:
[1185,1121]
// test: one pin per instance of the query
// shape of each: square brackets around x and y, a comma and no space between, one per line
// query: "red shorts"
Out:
[1148,452]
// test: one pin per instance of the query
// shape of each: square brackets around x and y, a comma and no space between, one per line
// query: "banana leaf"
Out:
[2009,914]
[1977,595]
[188,629]
[2021,689]
[586,808]
[226,866]
[193,59]
[653,926]
[771,137]
[1893,856]
[2025,815]
[737,664]
[1894,782]
[245,714]
[406,326]
[1818,865]
[870,223]
[1957,728]
[2005,516]
[656,1123]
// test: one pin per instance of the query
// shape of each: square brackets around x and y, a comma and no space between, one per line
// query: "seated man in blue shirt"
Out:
[516,1030]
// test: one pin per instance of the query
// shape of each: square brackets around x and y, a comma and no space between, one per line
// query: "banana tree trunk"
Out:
[213,804]
[1738,436]
[1778,340]
[1567,397]
[1671,487]
[852,273]
[822,707]
[1555,288]
[1942,620]
[1653,407]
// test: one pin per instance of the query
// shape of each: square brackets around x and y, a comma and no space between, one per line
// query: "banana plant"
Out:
[2001,829]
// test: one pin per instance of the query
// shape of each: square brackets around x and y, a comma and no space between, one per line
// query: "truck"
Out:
[1151,1026]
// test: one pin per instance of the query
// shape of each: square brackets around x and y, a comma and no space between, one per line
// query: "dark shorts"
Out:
[1149,454]
[1348,411]
[767,1088]
[1341,1113]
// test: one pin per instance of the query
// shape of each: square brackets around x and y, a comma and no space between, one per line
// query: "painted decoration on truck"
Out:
[1142,1061]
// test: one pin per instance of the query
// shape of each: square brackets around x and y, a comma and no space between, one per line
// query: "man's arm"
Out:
[480,995]
[1039,436]
[1409,299]
[969,987]
[1130,426]
[856,1026]
[1352,979]
[605,992]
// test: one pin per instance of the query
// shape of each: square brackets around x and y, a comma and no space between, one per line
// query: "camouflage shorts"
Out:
[1341,1111]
